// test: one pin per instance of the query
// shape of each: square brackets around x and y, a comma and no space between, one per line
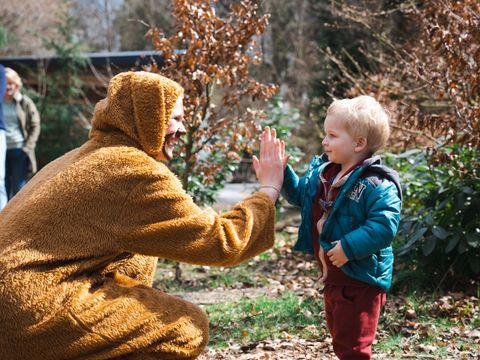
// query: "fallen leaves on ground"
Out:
[287,348]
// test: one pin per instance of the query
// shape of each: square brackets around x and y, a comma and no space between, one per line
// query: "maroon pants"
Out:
[352,316]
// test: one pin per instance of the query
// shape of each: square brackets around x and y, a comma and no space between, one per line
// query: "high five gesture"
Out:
[270,166]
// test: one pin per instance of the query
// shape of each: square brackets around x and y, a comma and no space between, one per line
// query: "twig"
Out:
[450,269]
[414,132]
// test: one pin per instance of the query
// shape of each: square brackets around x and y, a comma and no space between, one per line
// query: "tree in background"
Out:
[119,25]
[94,23]
[211,57]
[450,33]
[438,100]
[136,17]
[60,98]
[288,47]
[26,23]
[290,60]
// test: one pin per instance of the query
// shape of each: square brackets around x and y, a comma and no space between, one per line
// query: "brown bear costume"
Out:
[79,244]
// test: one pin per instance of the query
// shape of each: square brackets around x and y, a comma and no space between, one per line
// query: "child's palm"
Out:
[270,166]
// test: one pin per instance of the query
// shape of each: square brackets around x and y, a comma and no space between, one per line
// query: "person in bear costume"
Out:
[79,243]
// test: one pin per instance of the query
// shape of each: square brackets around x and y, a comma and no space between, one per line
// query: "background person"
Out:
[3,141]
[22,124]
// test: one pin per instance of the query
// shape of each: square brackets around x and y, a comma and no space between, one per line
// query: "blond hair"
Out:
[363,116]
[13,76]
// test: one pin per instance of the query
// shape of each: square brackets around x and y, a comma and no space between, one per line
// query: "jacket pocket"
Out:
[349,294]
[369,265]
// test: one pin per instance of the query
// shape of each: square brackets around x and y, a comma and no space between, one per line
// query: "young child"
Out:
[350,207]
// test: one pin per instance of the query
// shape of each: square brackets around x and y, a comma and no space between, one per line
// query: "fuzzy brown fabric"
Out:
[79,244]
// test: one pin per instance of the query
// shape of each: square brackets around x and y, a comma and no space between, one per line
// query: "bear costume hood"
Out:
[138,105]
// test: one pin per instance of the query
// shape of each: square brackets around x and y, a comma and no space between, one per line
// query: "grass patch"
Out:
[197,278]
[254,273]
[249,321]
[390,342]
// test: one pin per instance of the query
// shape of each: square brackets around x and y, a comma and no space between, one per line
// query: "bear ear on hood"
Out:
[140,105]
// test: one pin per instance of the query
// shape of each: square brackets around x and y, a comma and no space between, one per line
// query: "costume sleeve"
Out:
[293,187]
[383,207]
[161,219]
[34,130]
[139,267]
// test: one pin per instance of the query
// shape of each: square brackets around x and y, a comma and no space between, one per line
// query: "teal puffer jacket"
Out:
[364,217]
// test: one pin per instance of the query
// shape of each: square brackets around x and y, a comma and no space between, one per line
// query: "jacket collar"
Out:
[323,160]
[18,97]
[375,159]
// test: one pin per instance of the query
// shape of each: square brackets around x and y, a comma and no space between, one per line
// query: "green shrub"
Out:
[440,226]
[202,186]
[61,105]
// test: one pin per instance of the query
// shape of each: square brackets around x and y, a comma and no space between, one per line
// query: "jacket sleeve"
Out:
[3,83]
[33,125]
[383,207]
[293,187]
[161,219]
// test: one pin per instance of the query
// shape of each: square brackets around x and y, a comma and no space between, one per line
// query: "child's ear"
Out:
[361,144]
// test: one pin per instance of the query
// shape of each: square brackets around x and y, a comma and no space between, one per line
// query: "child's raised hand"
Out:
[269,167]
[337,255]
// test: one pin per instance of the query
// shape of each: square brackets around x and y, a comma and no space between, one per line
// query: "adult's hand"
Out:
[270,167]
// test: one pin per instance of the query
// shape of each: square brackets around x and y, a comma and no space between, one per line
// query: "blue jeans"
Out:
[16,171]
[3,151]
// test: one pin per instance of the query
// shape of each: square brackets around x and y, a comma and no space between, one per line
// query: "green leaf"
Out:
[462,247]
[413,239]
[440,232]
[429,220]
[452,243]
[429,245]
[442,205]
[473,239]
[460,201]
[418,234]
[475,264]
[422,168]
[407,226]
